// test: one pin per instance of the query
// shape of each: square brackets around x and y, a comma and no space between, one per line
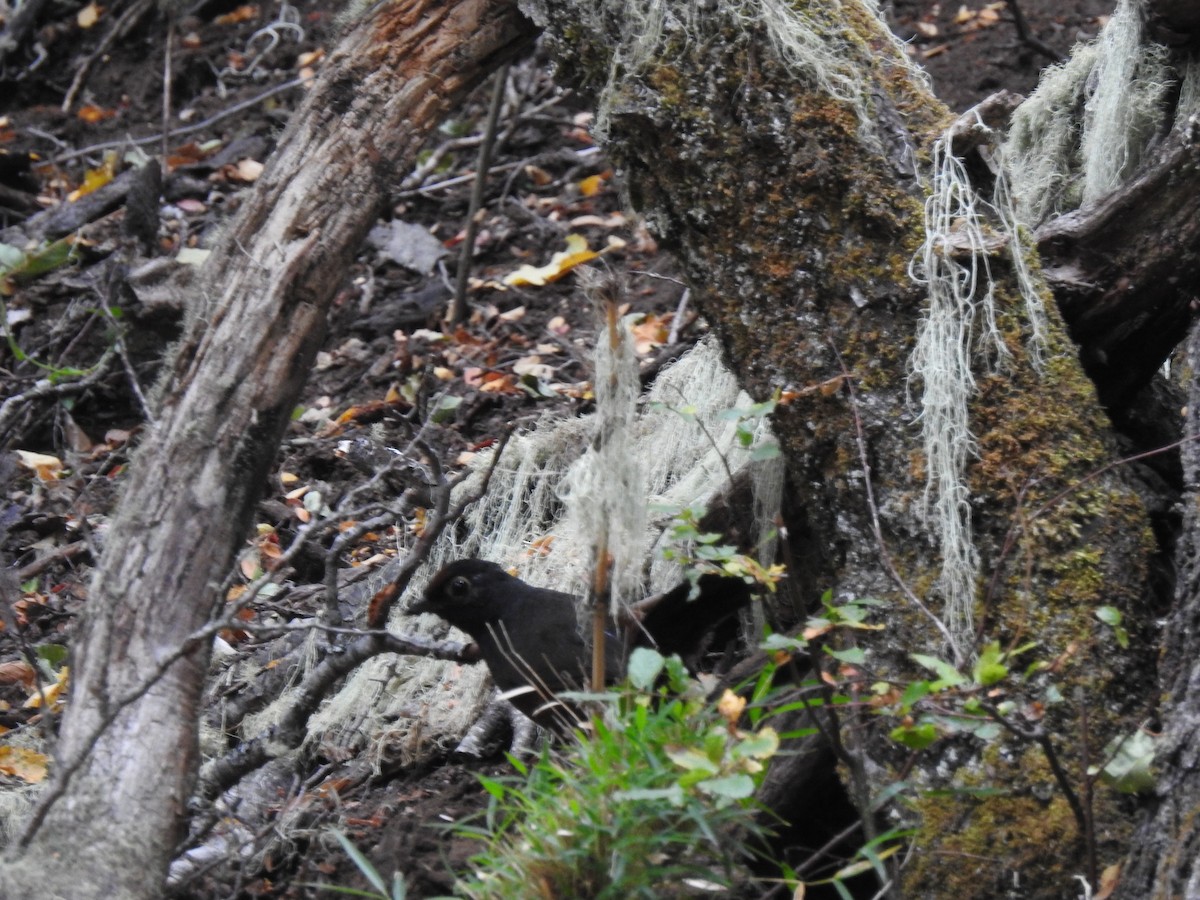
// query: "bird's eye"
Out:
[459,587]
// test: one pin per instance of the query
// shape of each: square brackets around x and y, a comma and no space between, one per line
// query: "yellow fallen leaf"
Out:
[560,264]
[592,185]
[89,15]
[51,693]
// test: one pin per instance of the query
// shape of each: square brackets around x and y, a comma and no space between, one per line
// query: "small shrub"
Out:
[657,801]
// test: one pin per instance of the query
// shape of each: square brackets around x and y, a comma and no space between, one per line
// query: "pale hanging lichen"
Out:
[814,47]
[959,330]
[605,489]
[1085,129]
[1080,136]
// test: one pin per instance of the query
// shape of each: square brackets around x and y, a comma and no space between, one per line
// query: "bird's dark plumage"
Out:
[529,636]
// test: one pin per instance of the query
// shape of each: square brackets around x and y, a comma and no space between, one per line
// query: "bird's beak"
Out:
[421,606]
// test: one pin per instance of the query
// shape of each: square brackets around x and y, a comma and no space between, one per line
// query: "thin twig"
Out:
[458,309]
[884,556]
[184,129]
[1028,38]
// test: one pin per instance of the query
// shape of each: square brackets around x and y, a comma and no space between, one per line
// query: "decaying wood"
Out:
[1124,270]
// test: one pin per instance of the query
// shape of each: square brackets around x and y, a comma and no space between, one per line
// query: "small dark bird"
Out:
[529,636]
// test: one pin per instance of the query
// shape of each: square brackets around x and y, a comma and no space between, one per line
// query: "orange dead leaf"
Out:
[93,114]
[48,468]
[817,630]
[498,383]
[538,176]
[305,60]
[650,333]
[21,762]
[241,14]
[540,546]
[18,672]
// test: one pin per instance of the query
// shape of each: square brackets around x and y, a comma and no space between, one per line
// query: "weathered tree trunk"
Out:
[791,187]
[128,753]
[1165,858]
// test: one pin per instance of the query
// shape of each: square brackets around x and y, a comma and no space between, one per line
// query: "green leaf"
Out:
[948,676]
[1130,765]
[734,787]
[914,692]
[45,259]
[1111,616]
[915,737]
[364,865]
[673,794]
[445,410]
[54,654]
[692,760]
[10,257]
[765,450]
[492,786]
[783,642]
[989,667]
[763,744]
[854,656]
[644,667]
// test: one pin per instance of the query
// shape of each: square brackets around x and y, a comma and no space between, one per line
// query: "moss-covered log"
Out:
[784,150]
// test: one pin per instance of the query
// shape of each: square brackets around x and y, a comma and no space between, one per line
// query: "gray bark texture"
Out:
[1164,859]
[127,759]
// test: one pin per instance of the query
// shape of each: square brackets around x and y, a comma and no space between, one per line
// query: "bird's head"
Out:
[468,593]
